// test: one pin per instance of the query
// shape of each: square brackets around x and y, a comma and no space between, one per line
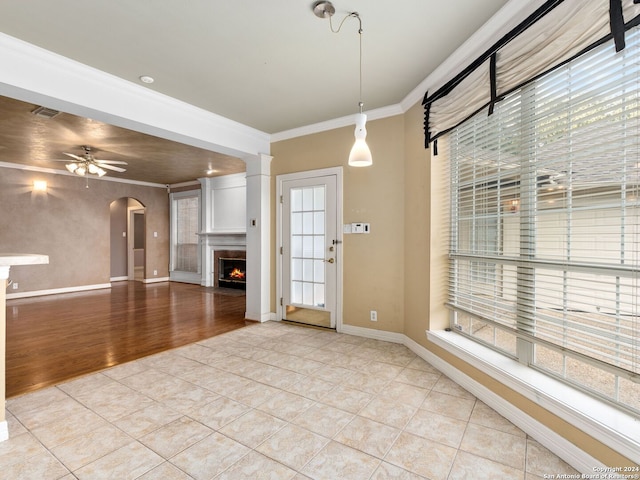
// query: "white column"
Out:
[259,238]
[206,225]
[4,275]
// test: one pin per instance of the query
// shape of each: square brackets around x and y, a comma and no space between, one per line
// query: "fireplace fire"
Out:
[232,272]
[237,274]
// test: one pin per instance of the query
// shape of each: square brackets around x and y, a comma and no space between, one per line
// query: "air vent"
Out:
[45,112]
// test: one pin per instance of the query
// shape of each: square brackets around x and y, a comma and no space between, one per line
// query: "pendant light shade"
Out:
[360,155]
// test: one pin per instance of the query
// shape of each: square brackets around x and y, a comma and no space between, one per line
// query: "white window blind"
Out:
[545,224]
[185,252]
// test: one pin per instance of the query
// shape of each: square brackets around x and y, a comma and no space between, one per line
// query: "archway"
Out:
[127,240]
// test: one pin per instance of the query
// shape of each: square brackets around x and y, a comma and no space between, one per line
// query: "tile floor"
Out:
[269,401]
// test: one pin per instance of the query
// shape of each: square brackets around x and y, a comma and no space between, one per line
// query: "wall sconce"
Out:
[39,186]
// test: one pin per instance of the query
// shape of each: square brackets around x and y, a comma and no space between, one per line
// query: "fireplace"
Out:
[230,269]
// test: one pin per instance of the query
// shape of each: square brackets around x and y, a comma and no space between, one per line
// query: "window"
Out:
[545,224]
[185,209]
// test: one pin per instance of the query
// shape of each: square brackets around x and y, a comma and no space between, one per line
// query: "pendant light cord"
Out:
[360,104]
[354,15]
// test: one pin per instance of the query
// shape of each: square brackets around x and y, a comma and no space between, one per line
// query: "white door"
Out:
[310,242]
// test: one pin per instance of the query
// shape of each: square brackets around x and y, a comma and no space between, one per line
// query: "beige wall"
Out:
[71,224]
[374,263]
[401,268]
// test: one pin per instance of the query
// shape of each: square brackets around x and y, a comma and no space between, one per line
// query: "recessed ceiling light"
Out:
[146,79]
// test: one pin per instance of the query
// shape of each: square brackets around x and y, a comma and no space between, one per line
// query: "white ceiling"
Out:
[270,65]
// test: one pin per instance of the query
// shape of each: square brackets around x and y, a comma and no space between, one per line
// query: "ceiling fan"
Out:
[88,164]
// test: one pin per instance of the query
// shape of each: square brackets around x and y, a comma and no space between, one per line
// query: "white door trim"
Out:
[280,179]
[137,210]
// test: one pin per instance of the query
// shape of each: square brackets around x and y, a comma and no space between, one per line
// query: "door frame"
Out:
[132,211]
[280,179]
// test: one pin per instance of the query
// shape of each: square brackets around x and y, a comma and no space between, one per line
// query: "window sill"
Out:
[614,428]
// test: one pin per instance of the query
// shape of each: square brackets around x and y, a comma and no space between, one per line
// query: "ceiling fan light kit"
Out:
[360,155]
[88,164]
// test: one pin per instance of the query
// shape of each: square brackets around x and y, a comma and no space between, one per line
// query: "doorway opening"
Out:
[136,252]
[127,246]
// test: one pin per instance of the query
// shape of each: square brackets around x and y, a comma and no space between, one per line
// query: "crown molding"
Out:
[53,171]
[346,121]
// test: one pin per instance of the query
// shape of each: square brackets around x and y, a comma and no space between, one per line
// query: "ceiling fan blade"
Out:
[113,162]
[75,156]
[111,167]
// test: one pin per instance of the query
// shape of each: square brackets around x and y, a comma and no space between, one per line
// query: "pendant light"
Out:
[360,155]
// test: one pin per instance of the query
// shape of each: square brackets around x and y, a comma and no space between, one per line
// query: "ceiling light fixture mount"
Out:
[360,155]
[323,9]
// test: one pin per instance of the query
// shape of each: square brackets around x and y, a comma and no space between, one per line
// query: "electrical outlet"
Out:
[15,285]
[374,316]
[155,272]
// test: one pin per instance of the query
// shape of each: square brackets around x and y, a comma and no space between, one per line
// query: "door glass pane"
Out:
[318,223]
[318,198]
[296,269]
[318,271]
[296,200]
[185,251]
[296,246]
[318,294]
[307,270]
[307,223]
[296,292]
[296,223]
[318,247]
[307,199]
[307,293]
[308,246]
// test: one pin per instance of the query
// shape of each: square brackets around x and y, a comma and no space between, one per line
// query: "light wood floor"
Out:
[57,337]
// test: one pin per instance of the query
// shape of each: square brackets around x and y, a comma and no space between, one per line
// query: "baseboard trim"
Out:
[373,333]
[119,279]
[156,280]
[259,317]
[55,291]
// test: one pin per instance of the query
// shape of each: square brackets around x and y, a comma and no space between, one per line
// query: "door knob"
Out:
[330,260]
